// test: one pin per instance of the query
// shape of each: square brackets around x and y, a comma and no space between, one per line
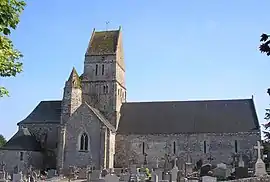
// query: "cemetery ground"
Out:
[168,170]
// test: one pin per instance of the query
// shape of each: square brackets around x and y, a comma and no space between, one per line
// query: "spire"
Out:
[74,79]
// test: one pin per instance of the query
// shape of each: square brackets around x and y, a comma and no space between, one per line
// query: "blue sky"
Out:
[174,50]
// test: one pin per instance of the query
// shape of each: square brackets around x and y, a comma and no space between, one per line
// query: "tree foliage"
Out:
[10,64]
[267,125]
[2,140]
[264,47]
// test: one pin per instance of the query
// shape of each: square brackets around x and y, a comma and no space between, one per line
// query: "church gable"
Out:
[86,114]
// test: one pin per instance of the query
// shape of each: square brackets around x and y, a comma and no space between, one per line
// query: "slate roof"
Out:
[46,111]
[210,116]
[22,140]
[103,42]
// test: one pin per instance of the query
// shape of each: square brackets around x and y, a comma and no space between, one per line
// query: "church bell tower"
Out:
[103,81]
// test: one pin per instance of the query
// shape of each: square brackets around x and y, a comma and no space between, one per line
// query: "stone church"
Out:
[95,125]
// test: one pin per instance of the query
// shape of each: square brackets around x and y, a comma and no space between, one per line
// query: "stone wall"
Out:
[13,158]
[254,179]
[82,121]
[220,147]
[103,84]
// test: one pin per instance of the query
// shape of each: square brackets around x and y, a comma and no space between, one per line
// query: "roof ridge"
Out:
[60,100]
[174,101]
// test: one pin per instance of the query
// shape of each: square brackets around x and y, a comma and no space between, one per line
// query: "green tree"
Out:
[264,47]
[267,125]
[10,64]
[2,140]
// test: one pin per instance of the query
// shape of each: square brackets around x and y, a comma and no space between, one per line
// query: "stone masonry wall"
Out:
[220,147]
[83,120]
[12,158]
[94,81]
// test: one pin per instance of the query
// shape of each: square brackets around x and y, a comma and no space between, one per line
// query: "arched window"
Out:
[84,142]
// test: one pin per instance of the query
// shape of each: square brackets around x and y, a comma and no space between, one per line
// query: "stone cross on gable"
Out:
[259,148]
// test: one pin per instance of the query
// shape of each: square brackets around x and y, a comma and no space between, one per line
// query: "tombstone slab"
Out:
[241,172]
[174,173]
[209,179]
[17,177]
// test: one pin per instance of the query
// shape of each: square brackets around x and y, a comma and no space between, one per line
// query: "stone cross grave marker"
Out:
[259,166]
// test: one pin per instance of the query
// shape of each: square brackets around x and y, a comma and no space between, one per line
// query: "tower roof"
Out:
[103,42]
[74,79]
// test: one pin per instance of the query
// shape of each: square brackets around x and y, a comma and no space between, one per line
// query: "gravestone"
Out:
[205,169]
[157,163]
[188,168]
[241,163]
[95,175]
[259,166]
[82,173]
[221,173]
[52,173]
[209,179]
[180,175]
[193,179]
[174,172]
[2,172]
[111,178]
[154,177]
[104,172]
[133,178]
[241,172]
[133,169]
[16,170]
[17,177]
[124,177]
[222,165]
[158,172]
[2,176]
[166,176]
